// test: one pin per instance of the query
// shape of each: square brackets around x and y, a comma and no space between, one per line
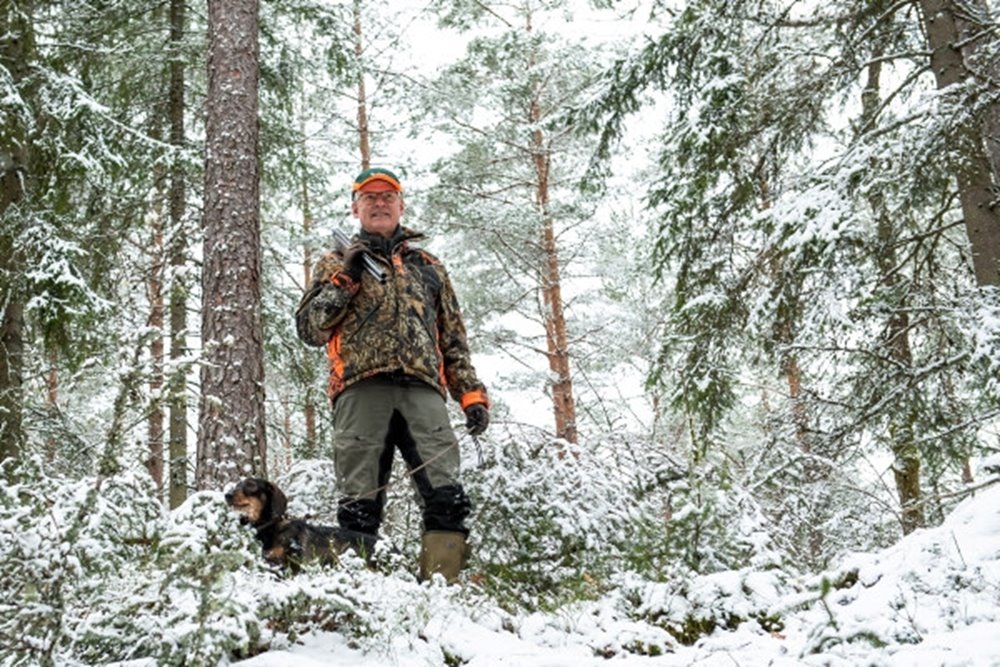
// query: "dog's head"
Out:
[257,501]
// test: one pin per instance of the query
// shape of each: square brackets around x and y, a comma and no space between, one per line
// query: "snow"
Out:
[315,649]
[931,599]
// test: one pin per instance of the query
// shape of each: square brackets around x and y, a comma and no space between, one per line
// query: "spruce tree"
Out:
[805,247]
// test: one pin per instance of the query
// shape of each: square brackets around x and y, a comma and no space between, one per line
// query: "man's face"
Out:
[379,212]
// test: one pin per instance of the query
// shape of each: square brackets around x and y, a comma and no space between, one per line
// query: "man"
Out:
[396,350]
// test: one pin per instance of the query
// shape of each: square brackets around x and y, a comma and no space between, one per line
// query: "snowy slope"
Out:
[932,599]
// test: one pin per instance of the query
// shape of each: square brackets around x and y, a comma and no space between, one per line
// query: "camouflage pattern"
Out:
[410,324]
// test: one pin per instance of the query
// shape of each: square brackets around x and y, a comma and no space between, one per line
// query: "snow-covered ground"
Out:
[932,599]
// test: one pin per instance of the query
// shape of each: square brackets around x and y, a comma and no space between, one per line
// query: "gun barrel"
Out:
[371,265]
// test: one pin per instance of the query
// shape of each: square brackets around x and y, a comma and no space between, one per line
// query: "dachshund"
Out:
[288,542]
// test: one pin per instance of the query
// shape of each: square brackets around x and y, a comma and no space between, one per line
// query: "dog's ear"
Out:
[278,501]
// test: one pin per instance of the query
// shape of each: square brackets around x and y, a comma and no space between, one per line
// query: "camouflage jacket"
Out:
[410,324]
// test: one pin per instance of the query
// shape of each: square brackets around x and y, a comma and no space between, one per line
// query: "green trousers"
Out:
[372,420]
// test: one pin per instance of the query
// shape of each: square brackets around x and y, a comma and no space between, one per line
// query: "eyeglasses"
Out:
[388,197]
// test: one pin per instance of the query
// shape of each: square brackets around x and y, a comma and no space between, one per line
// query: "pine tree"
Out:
[16,57]
[231,433]
[512,186]
[961,37]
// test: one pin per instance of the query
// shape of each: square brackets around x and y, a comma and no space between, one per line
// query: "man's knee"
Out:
[445,508]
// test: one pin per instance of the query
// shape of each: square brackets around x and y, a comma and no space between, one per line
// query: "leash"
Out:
[479,450]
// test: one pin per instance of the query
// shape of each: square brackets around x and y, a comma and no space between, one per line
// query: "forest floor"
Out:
[931,599]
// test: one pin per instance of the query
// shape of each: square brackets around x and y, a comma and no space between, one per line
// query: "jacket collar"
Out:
[386,246]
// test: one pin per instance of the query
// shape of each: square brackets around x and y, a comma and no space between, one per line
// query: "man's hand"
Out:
[354,260]
[477,418]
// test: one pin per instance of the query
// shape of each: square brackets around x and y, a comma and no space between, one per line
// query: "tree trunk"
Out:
[284,463]
[154,291]
[16,53]
[906,467]
[906,473]
[784,337]
[974,25]
[787,315]
[555,330]
[310,407]
[11,355]
[975,176]
[793,376]
[564,407]
[231,427]
[364,144]
[177,255]
[154,462]
[52,402]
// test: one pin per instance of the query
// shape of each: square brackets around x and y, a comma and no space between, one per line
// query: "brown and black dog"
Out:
[285,541]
